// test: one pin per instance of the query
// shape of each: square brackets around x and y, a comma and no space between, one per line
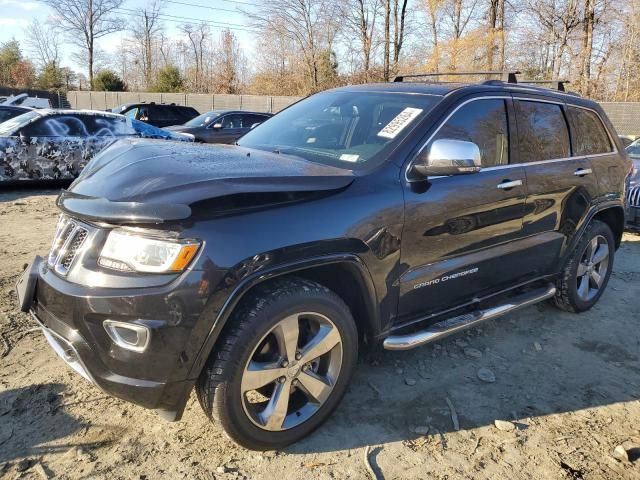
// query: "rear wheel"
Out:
[282,366]
[587,271]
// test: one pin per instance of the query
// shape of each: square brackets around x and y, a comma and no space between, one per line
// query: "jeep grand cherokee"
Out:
[397,213]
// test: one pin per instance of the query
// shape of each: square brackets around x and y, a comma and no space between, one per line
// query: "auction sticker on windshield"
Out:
[395,126]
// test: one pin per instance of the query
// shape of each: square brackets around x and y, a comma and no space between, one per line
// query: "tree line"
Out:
[303,46]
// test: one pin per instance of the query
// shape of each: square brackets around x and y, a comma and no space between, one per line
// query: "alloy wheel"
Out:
[292,371]
[592,269]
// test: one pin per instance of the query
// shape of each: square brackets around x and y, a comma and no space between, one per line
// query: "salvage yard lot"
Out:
[570,384]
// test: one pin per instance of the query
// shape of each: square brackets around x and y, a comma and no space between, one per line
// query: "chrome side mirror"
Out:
[448,157]
[217,126]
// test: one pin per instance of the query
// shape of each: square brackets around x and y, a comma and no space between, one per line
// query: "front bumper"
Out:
[71,317]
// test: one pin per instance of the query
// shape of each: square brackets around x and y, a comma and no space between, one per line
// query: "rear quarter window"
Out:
[588,133]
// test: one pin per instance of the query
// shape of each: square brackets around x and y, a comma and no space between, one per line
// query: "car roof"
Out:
[444,88]
[155,104]
[45,112]
[224,112]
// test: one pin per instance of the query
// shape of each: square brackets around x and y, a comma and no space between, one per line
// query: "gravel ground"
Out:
[536,394]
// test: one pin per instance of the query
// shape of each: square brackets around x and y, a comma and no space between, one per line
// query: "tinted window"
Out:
[232,121]
[589,135]
[163,114]
[542,131]
[58,126]
[185,113]
[483,122]
[249,120]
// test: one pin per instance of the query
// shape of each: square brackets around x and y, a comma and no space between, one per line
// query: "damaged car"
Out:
[384,215]
[57,144]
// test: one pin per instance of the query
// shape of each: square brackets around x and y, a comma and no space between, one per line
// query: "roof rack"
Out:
[506,76]
[555,84]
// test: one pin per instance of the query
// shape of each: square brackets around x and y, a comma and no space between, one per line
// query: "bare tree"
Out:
[86,21]
[198,35]
[145,30]
[310,24]
[433,8]
[44,42]
[361,17]
[495,37]
[229,64]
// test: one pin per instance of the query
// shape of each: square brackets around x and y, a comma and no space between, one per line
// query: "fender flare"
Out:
[246,284]
[596,209]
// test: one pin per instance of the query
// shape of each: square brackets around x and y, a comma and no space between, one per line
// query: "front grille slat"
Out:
[67,244]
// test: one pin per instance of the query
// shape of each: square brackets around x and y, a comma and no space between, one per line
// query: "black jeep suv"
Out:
[392,213]
[157,114]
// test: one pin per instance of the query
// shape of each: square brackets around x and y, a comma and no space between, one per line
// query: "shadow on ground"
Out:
[545,362]
[37,410]
[11,193]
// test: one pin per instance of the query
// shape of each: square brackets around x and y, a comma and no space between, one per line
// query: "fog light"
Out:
[127,335]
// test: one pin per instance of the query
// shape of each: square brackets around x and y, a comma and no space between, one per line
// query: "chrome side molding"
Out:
[467,320]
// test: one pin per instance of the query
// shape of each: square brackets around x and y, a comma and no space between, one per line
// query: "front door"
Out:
[231,129]
[463,233]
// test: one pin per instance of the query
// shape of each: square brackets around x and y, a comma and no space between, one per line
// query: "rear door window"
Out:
[542,131]
[588,134]
[483,122]
[251,119]
[162,114]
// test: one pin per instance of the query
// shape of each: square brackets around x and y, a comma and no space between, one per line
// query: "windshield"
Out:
[10,127]
[202,120]
[353,130]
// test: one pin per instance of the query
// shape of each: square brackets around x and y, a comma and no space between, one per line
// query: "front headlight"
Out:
[129,252]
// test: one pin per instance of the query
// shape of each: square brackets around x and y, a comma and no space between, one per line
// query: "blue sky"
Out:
[17,14]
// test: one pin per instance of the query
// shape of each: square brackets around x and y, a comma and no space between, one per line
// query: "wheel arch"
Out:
[614,217]
[344,274]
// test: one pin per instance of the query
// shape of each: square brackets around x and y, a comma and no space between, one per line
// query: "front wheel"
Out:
[588,269]
[282,366]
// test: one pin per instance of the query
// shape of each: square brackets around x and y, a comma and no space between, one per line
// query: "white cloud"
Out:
[13,22]
[16,4]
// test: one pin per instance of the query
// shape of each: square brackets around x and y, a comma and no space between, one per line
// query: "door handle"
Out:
[581,172]
[509,184]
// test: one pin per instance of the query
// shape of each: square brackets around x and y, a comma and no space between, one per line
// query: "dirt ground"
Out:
[570,384]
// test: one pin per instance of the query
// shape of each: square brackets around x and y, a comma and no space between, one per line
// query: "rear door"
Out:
[561,185]
[463,233]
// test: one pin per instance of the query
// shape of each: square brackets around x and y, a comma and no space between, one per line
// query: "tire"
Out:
[572,295]
[258,339]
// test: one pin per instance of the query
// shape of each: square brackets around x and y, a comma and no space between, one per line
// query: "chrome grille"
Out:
[634,196]
[68,241]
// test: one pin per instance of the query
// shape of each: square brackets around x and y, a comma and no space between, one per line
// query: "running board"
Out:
[462,322]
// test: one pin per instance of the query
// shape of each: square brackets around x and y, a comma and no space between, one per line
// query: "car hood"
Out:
[150,180]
